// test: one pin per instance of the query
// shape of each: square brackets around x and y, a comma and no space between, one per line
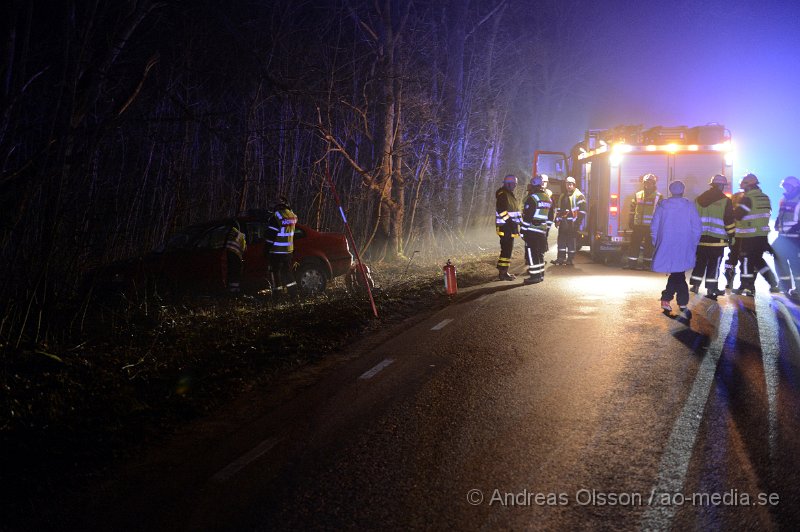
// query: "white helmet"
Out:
[790,183]
[750,180]
[719,179]
[570,179]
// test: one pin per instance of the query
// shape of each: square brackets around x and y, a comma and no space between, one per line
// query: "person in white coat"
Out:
[675,231]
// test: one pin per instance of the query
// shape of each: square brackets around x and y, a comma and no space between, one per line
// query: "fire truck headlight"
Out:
[614,159]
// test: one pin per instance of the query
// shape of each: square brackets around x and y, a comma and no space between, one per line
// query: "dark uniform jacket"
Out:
[507,213]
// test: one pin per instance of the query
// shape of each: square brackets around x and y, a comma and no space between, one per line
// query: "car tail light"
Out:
[613,206]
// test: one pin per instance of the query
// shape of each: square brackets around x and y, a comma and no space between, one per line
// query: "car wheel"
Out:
[311,278]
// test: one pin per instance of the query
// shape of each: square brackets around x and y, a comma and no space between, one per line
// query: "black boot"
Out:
[503,274]
[769,276]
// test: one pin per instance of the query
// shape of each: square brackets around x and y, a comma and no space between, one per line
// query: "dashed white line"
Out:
[243,461]
[374,371]
[441,325]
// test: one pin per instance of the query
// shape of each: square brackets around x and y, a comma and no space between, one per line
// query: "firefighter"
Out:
[570,219]
[507,224]
[716,213]
[537,216]
[235,246]
[733,248]
[643,205]
[787,245]
[279,246]
[675,233]
[546,185]
[752,228]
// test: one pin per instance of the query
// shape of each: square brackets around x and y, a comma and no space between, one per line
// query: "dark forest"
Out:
[123,121]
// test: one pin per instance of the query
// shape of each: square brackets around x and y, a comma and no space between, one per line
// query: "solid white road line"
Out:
[768,328]
[243,461]
[441,325]
[374,371]
[678,452]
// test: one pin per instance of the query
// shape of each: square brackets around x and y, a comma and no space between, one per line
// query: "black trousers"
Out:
[535,248]
[787,261]
[706,264]
[752,251]
[280,267]
[234,271]
[506,248]
[732,261]
[676,286]
[567,240]
[641,240]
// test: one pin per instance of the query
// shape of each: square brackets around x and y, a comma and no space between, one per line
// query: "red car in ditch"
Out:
[194,260]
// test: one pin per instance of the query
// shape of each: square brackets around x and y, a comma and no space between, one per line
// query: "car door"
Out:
[255,274]
[204,267]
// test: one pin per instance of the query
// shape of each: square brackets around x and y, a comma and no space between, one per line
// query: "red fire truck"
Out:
[608,165]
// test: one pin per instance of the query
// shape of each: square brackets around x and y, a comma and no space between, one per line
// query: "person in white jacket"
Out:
[675,230]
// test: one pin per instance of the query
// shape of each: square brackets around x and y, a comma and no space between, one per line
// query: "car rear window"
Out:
[184,239]
[214,238]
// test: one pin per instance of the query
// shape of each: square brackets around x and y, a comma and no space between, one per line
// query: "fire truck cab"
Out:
[609,164]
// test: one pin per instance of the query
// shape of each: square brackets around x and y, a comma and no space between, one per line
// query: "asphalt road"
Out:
[570,404]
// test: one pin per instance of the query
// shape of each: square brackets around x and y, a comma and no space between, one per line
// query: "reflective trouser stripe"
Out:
[536,268]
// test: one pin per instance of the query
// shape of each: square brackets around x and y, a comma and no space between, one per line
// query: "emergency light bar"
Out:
[668,148]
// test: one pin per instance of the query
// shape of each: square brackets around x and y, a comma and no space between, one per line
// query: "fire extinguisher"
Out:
[450,284]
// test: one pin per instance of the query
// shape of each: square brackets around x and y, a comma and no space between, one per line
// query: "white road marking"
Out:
[768,335]
[441,325]
[483,297]
[678,452]
[374,371]
[243,461]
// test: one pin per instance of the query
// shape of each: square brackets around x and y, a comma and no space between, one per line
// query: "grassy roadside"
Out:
[147,369]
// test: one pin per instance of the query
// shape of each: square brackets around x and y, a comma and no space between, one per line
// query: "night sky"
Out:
[691,63]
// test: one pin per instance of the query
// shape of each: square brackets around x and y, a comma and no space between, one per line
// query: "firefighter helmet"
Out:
[570,179]
[719,179]
[537,180]
[750,180]
[651,178]
[510,179]
[283,203]
[790,183]
[545,180]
